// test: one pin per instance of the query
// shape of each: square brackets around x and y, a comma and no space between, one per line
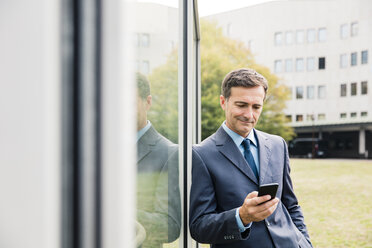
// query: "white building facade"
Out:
[321,50]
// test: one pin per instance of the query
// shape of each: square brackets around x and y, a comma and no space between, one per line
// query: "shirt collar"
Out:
[237,138]
[141,132]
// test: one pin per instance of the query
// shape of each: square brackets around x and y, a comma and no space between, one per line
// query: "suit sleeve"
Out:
[207,224]
[163,222]
[289,198]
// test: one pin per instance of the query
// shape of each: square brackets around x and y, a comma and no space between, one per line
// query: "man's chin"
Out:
[244,131]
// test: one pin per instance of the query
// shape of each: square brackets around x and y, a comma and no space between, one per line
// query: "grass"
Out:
[336,199]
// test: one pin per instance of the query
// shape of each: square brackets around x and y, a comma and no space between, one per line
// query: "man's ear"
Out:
[223,101]
[149,101]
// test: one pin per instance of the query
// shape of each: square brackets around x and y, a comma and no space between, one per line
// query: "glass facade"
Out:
[353,59]
[310,91]
[322,34]
[289,37]
[310,64]
[278,38]
[353,90]
[278,66]
[321,91]
[321,63]
[299,64]
[344,30]
[343,60]
[288,65]
[299,92]
[343,90]
[364,87]
[311,35]
[300,36]
[364,57]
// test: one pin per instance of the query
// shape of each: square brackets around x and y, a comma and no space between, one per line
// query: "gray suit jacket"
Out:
[158,195]
[221,179]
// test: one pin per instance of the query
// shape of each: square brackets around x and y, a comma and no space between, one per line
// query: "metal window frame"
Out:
[81,127]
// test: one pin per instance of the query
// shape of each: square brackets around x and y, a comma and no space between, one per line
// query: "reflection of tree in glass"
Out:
[164,83]
[158,196]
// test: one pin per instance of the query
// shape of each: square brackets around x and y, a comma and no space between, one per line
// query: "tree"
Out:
[220,55]
[163,113]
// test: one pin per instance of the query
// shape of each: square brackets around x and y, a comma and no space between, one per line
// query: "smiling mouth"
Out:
[246,121]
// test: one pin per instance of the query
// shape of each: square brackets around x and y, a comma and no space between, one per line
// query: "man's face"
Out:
[243,108]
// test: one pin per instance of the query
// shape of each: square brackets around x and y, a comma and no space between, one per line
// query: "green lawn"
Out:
[336,198]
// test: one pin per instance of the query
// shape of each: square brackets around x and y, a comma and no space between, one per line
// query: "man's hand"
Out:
[252,211]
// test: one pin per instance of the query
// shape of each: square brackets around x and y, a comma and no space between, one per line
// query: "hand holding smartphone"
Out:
[268,189]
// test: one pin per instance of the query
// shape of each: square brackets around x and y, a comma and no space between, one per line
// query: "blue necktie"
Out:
[249,157]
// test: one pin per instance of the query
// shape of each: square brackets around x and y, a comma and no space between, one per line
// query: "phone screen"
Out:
[268,189]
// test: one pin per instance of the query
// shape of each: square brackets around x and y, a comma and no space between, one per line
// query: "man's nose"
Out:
[248,113]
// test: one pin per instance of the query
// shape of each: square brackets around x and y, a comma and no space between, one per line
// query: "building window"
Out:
[344,31]
[299,64]
[145,40]
[322,34]
[311,35]
[228,29]
[288,118]
[353,89]
[299,118]
[300,36]
[321,91]
[299,92]
[137,39]
[354,29]
[310,92]
[343,60]
[321,63]
[277,66]
[310,64]
[289,37]
[249,44]
[343,115]
[278,38]
[310,117]
[321,117]
[353,59]
[288,65]
[364,114]
[353,114]
[145,67]
[343,90]
[364,88]
[365,57]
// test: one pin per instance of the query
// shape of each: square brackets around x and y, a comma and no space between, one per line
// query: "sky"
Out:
[210,7]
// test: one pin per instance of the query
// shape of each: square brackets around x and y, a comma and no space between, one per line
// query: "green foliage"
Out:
[220,55]
[163,113]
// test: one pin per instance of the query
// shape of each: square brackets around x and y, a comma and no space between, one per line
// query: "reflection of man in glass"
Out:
[158,196]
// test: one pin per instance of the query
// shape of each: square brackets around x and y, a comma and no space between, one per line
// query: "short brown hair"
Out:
[243,77]
[143,86]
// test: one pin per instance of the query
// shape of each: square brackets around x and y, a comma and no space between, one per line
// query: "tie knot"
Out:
[246,143]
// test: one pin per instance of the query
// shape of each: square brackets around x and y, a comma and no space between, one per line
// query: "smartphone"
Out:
[268,189]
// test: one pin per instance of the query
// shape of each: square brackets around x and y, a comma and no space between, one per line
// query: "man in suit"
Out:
[158,195]
[229,166]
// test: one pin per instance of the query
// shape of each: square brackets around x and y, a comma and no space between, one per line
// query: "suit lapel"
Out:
[146,144]
[264,157]
[227,147]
